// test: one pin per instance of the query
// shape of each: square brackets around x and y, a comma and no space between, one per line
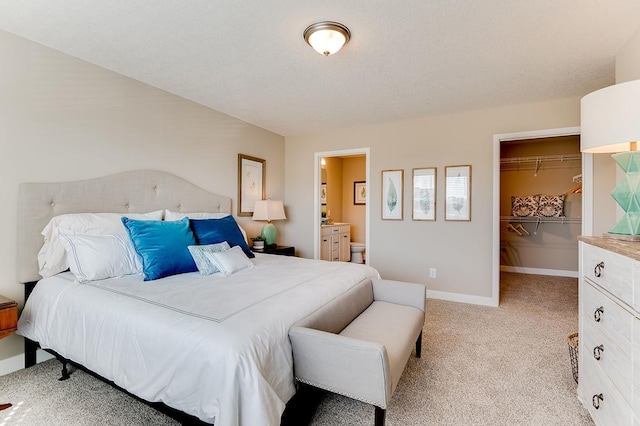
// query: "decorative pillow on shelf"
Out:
[202,261]
[52,258]
[162,246]
[551,205]
[230,261]
[524,206]
[97,257]
[169,215]
[213,231]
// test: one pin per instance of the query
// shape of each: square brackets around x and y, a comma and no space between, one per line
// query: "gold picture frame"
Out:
[457,188]
[392,194]
[424,193]
[251,183]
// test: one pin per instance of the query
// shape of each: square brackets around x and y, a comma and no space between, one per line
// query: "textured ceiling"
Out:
[406,58]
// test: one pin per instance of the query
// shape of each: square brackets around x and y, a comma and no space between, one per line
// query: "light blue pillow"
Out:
[162,246]
[202,261]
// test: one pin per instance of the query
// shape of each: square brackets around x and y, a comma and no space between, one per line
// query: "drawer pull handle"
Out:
[596,400]
[597,352]
[597,271]
[597,315]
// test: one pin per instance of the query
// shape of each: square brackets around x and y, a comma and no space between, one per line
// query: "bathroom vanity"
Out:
[335,240]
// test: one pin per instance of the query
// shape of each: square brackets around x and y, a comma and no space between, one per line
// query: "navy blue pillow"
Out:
[214,231]
[162,246]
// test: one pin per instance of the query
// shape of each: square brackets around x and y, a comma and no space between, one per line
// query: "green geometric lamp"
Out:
[269,210]
[610,122]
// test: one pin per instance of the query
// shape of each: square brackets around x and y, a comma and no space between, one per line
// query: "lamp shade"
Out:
[610,118]
[268,210]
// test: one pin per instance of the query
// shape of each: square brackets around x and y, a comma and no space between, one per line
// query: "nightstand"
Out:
[8,323]
[279,250]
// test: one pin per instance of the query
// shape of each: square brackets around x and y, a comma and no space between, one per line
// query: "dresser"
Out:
[609,330]
[335,242]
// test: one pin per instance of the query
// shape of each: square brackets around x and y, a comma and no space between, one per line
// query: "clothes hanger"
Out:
[522,229]
[512,228]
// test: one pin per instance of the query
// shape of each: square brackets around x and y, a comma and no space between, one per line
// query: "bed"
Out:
[215,347]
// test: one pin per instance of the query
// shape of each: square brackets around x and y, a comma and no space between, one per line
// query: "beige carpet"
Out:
[479,366]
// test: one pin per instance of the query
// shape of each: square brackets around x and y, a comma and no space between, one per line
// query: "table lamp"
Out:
[610,122]
[269,210]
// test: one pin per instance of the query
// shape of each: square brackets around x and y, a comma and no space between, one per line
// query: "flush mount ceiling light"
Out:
[327,37]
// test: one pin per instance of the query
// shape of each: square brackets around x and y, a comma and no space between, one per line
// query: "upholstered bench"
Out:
[359,344]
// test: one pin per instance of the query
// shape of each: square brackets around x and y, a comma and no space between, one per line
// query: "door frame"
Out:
[317,170]
[587,173]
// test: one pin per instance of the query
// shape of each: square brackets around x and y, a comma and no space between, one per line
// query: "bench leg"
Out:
[380,412]
[419,346]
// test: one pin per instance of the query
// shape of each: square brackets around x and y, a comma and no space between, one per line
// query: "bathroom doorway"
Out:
[341,183]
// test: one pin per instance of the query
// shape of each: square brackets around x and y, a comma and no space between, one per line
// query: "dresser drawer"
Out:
[609,270]
[612,408]
[636,365]
[606,316]
[614,361]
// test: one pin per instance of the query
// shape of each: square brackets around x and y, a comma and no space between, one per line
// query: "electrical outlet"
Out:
[432,272]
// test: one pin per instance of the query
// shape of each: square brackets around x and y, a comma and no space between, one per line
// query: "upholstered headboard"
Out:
[128,192]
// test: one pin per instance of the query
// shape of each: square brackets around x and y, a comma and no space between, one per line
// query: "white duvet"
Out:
[214,347]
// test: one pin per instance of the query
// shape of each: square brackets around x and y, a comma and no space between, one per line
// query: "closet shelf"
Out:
[536,162]
[540,219]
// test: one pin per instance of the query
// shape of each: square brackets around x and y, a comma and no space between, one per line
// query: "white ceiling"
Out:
[406,58]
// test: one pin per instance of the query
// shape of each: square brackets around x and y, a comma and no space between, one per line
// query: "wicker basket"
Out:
[572,340]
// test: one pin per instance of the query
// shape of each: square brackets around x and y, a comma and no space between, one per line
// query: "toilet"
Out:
[357,250]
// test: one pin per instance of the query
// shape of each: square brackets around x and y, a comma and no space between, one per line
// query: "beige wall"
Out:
[354,169]
[65,119]
[405,250]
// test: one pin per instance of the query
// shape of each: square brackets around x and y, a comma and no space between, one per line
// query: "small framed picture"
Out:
[323,193]
[424,193]
[251,183]
[359,193]
[457,188]
[392,190]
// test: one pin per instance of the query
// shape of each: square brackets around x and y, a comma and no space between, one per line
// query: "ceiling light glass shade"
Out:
[610,122]
[327,37]
[269,210]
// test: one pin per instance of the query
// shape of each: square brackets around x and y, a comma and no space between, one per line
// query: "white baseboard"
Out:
[539,271]
[16,363]
[462,298]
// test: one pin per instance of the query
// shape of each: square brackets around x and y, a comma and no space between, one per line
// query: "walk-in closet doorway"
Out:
[537,203]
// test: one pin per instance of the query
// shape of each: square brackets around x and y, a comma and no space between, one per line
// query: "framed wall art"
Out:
[392,190]
[457,190]
[424,193]
[359,193]
[323,193]
[251,183]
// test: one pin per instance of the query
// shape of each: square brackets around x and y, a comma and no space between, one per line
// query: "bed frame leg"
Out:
[419,346]
[30,348]
[65,370]
[380,412]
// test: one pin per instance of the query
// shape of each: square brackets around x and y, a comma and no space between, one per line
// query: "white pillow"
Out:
[230,261]
[169,215]
[202,262]
[52,257]
[96,257]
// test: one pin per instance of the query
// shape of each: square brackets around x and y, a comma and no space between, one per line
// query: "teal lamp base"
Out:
[269,233]
[627,195]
